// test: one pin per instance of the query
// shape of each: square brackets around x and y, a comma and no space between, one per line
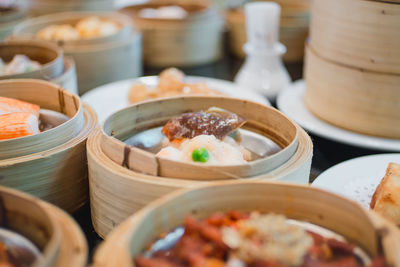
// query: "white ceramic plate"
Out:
[109,98]
[357,178]
[290,102]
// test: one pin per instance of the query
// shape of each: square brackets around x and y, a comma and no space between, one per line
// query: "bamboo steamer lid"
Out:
[57,236]
[354,99]
[48,55]
[48,96]
[366,229]
[261,119]
[57,175]
[194,40]
[293,30]
[358,33]
[117,192]
[98,60]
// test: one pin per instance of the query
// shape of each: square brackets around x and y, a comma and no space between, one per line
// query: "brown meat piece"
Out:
[214,121]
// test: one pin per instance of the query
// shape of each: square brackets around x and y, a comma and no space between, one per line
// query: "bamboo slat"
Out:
[296,202]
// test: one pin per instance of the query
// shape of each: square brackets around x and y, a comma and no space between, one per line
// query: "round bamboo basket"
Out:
[358,33]
[57,175]
[57,236]
[43,7]
[117,192]
[295,18]
[68,79]
[366,229]
[47,96]
[98,60]
[357,100]
[50,56]
[8,20]
[194,40]
[260,119]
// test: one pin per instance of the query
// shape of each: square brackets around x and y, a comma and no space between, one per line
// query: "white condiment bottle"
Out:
[263,70]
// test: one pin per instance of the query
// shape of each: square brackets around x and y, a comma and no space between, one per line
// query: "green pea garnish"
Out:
[200,155]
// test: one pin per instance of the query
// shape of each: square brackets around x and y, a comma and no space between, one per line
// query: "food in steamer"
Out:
[386,199]
[238,239]
[19,119]
[19,64]
[171,83]
[88,28]
[203,137]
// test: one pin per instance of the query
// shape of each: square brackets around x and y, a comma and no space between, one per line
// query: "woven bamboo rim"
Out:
[293,32]
[297,202]
[261,119]
[52,230]
[117,192]
[57,175]
[48,96]
[194,40]
[50,56]
[68,79]
[359,101]
[339,35]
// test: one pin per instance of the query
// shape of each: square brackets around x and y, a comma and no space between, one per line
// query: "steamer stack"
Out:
[352,66]
[50,165]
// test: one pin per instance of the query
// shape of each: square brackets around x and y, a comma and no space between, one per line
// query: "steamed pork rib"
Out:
[214,121]
[237,239]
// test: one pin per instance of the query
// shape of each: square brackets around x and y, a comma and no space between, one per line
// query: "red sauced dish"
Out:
[237,239]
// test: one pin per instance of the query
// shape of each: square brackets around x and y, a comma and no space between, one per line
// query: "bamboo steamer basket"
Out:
[117,192]
[50,56]
[57,236]
[98,60]
[43,7]
[57,175]
[47,96]
[366,229]
[261,119]
[68,79]
[194,40]
[294,24]
[354,99]
[358,33]
[9,20]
